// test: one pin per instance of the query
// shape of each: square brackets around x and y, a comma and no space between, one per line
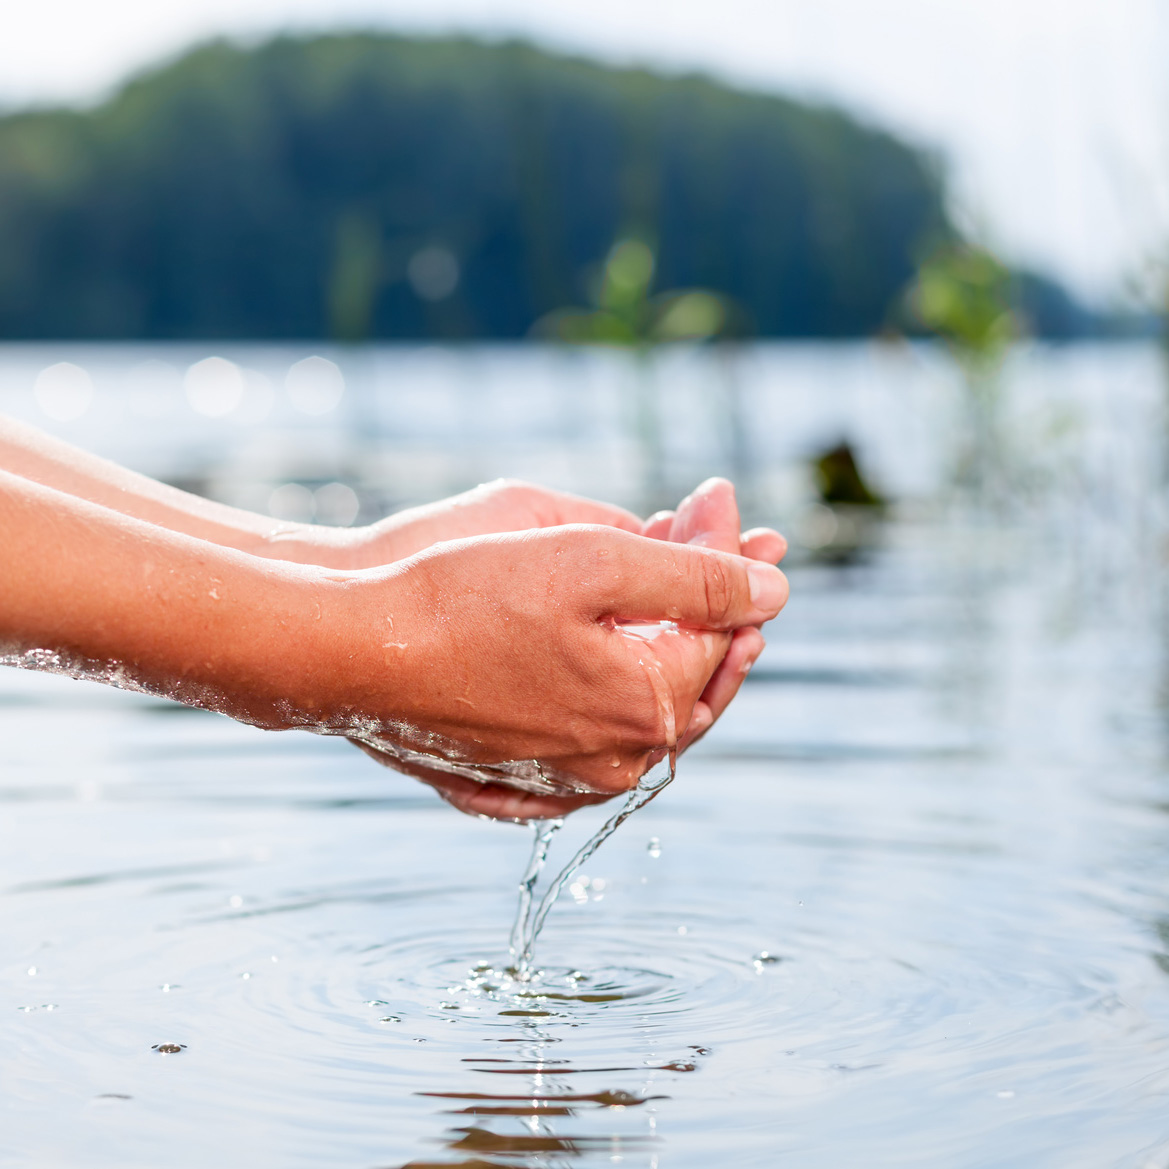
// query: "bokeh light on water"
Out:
[904,905]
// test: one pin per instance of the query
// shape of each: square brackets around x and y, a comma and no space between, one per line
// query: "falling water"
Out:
[528,925]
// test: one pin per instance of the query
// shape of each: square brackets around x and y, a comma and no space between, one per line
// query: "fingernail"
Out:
[768,587]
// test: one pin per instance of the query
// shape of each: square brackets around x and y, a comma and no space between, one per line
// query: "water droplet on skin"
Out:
[214,594]
[654,848]
[168,1048]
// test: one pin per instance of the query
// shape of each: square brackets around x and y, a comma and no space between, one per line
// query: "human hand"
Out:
[505,505]
[514,648]
[709,518]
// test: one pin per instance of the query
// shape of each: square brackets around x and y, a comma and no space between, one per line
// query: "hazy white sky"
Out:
[1053,114]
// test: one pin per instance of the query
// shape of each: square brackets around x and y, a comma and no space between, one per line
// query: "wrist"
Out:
[361,649]
[319,546]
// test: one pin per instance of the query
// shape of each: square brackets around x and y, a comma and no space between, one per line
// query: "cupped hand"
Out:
[517,648]
[709,518]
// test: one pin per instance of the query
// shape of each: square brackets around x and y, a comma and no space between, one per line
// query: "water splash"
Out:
[528,925]
[543,832]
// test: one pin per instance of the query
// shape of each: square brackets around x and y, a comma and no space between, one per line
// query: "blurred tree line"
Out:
[375,186]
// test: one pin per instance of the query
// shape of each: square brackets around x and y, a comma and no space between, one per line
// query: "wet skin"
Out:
[495,634]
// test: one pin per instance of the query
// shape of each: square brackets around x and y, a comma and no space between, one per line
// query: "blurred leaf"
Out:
[962,293]
[691,316]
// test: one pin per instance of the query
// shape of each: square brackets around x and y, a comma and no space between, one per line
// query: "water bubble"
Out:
[167,987]
[246,975]
[683,931]
[764,959]
[214,386]
[168,1048]
[235,901]
[63,391]
[315,385]
[433,273]
[390,1019]
[32,971]
[1006,1094]
[292,502]
[336,504]
[654,848]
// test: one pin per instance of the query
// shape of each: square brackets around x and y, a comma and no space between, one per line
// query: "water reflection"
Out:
[567,1109]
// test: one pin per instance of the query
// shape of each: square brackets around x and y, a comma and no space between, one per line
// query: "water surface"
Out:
[908,904]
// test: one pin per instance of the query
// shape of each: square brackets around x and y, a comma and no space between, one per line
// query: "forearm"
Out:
[36,456]
[92,592]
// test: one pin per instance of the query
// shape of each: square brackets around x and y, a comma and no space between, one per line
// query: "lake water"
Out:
[908,904]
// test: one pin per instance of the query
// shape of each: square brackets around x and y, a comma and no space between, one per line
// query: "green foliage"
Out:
[627,315]
[283,190]
[962,292]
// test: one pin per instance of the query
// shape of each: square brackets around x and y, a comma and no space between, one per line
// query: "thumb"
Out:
[639,579]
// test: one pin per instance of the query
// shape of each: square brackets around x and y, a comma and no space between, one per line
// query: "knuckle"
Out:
[719,586]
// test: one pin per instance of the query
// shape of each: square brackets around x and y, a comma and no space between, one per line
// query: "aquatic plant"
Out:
[627,314]
[962,293]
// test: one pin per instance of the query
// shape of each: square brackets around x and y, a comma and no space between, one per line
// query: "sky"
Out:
[1052,116]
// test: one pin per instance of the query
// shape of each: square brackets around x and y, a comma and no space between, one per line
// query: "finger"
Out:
[720,691]
[708,517]
[700,722]
[657,527]
[746,646]
[763,544]
[565,508]
[505,803]
[486,799]
[630,578]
